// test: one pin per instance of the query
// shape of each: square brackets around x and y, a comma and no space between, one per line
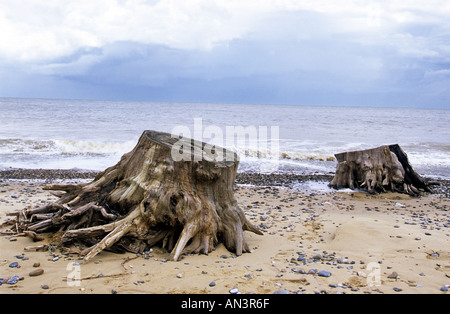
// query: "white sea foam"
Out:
[93,148]
[63,147]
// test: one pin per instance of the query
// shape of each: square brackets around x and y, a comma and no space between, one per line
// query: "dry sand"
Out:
[389,243]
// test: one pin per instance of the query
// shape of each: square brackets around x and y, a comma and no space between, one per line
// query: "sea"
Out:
[300,139]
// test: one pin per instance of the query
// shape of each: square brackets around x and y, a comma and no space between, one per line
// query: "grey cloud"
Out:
[297,57]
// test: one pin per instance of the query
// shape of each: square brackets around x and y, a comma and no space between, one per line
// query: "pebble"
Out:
[324,273]
[180,276]
[317,256]
[14,265]
[281,291]
[342,260]
[397,289]
[45,287]
[300,271]
[212,284]
[394,275]
[37,264]
[444,289]
[36,272]
[13,280]
[234,290]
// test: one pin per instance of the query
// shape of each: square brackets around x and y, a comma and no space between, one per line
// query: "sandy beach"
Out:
[315,241]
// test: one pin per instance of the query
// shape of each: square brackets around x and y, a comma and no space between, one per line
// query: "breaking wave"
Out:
[297,157]
[63,147]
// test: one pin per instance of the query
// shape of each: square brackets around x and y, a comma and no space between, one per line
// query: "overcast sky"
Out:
[328,52]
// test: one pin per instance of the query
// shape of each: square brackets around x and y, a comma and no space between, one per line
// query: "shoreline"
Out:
[287,180]
[328,242]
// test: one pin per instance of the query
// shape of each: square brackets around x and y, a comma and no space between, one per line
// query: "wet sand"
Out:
[315,241]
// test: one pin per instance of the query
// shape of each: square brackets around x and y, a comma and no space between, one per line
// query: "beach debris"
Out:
[169,191]
[33,235]
[36,248]
[99,276]
[379,170]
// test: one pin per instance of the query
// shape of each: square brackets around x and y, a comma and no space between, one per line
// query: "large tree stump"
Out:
[378,170]
[149,198]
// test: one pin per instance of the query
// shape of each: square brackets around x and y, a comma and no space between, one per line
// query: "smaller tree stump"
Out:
[379,170]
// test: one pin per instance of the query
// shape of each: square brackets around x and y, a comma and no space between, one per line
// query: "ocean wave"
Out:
[429,154]
[281,155]
[63,147]
[290,156]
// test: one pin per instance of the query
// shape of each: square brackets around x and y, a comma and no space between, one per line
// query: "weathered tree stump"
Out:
[151,197]
[378,170]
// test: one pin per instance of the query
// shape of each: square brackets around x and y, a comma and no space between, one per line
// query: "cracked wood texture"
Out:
[379,170]
[150,198]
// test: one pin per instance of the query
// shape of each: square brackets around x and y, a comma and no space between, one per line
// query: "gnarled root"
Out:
[229,230]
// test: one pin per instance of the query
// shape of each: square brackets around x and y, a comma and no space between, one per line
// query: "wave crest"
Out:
[63,147]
